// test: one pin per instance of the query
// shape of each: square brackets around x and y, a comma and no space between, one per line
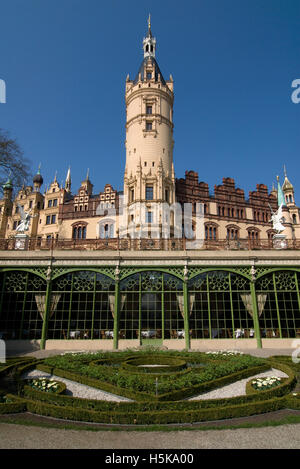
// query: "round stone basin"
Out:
[150,366]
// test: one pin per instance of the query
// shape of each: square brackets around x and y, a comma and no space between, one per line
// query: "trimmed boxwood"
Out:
[133,364]
[15,405]
[149,410]
[144,383]
[163,417]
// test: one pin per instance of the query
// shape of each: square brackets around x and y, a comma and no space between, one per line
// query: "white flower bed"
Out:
[236,389]
[43,384]
[260,384]
[225,352]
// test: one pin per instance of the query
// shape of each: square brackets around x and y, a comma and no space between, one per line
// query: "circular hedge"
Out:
[158,364]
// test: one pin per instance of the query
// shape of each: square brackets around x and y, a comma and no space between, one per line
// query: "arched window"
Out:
[79,230]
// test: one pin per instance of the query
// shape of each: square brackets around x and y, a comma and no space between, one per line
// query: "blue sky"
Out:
[233,61]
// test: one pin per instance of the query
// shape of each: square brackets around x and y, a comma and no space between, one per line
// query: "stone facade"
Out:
[149,184]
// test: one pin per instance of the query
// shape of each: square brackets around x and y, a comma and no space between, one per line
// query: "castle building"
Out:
[121,269]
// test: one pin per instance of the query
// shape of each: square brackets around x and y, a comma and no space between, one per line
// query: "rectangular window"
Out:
[55,203]
[149,75]
[49,203]
[167,195]
[149,217]
[131,195]
[148,109]
[15,225]
[48,220]
[149,192]
[148,125]
[30,204]
[53,219]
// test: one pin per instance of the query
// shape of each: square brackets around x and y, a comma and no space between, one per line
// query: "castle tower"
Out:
[38,180]
[149,173]
[5,206]
[68,181]
[288,191]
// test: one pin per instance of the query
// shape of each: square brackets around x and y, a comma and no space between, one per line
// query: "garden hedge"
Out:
[149,409]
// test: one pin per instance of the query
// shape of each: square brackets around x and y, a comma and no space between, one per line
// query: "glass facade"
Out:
[150,304]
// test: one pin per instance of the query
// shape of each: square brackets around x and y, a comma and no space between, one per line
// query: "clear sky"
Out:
[65,64]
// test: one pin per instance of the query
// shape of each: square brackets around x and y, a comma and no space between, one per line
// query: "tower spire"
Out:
[149,42]
[68,181]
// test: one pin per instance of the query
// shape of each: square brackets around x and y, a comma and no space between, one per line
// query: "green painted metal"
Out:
[243,271]
[175,271]
[70,307]
[231,302]
[116,315]
[93,312]
[263,271]
[186,315]
[23,307]
[255,315]
[297,288]
[208,306]
[46,315]
[277,306]
[162,310]
[2,292]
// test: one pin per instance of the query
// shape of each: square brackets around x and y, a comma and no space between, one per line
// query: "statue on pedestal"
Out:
[25,220]
[276,219]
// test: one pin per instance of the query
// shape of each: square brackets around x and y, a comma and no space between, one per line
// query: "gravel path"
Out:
[236,389]
[80,390]
[77,389]
[23,437]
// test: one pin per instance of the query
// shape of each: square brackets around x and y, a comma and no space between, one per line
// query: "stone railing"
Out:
[126,244]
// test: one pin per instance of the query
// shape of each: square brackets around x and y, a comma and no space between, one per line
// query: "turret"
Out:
[149,176]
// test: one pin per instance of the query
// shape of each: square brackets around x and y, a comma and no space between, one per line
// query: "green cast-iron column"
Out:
[47,311]
[297,288]
[2,292]
[208,305]
[70,305]
[163,308]
[231,305]
[186,309]
[277,305]
[23,307]
[140,309]
[255,314]
[93,307]
[117,309]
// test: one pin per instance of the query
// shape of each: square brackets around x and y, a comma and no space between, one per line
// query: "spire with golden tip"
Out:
[287,185]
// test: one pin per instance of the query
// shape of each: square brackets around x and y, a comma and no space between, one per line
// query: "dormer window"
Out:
[149,75]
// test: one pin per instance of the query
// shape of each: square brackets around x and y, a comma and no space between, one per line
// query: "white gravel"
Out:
[87,392]
[236,389]
[77,389]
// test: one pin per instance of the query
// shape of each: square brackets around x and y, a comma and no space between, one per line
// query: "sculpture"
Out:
[25,220]
[277,219]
